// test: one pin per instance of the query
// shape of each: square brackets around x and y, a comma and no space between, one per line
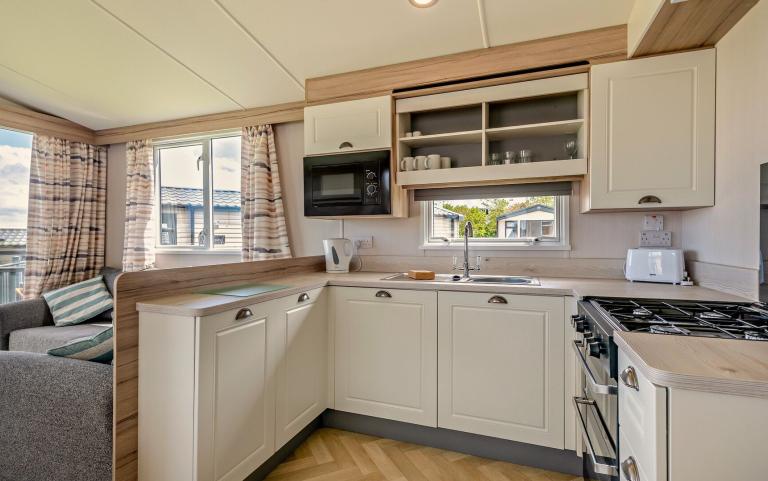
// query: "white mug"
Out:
[407,163]
[433,161]
[422,162]
[445,162]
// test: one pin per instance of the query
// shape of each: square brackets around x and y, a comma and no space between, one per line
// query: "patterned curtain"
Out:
[66,217]
[139,240]
[265,235]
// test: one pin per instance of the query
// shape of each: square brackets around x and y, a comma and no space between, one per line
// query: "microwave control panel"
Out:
[371,187]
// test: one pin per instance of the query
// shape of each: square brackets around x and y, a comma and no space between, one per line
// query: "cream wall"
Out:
[728,233]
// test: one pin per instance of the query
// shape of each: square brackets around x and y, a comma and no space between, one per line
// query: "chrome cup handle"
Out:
[629,469]
[629,378]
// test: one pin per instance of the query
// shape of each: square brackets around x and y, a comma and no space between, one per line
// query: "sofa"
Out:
[55,413]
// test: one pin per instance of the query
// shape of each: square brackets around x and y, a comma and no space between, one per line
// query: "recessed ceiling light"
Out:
[422,3]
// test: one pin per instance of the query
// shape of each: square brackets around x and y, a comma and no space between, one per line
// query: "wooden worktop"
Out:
[727,366]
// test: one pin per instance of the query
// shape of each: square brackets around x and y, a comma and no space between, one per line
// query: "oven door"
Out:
[597,412]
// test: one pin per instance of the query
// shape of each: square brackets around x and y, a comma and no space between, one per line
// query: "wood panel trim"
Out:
[273,114]
[133,287]
[688,25]
[552,51]
[27,120]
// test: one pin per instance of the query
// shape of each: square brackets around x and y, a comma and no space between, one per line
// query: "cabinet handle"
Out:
[243,314]
[346,145]
[383,294]
[629,469]
[497,300]
[303,297]
[629,378]
[649,199]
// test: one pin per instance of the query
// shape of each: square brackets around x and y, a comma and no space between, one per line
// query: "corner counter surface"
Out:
[198,304]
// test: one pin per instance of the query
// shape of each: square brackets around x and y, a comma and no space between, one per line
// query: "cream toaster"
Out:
[655,265]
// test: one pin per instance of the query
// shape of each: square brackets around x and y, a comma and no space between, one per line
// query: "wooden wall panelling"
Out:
[552,51]
[136,286]
[273,114]
[27,120]
[688,25]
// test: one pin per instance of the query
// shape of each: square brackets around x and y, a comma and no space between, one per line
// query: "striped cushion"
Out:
[79,302]
[97,348]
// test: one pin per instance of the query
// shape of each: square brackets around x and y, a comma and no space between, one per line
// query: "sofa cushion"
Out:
[79,302]
[96,348]
[110,275]
[41,339]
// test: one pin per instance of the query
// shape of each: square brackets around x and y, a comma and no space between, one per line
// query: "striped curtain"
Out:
[66,216]
[265,235]
[139,239]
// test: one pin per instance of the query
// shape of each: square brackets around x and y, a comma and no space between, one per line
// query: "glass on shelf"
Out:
[494,159]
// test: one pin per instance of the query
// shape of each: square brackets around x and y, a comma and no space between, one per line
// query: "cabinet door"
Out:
[302,373]
[236,401]
[501,366]
[653,132]
[363,124]
[386,353]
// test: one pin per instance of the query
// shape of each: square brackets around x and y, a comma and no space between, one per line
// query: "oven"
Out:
[597,406]
[355,183]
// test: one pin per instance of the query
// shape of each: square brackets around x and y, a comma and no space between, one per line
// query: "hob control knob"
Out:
[596,348]
[587,334]
[580,326]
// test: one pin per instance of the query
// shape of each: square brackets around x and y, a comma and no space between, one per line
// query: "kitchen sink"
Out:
[451,278]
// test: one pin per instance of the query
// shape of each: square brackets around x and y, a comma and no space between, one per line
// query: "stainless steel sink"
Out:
[508,280]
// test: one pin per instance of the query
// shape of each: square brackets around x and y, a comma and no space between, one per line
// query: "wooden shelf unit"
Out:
[540,115]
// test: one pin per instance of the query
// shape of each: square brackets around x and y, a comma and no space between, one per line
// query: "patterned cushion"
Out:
[79,302]
[97,348]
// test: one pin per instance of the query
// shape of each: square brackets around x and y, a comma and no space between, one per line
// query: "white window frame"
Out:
[205,140]
[562,207]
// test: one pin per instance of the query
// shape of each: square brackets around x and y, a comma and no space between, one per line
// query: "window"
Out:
[198,187]
[15,155]
[515,222]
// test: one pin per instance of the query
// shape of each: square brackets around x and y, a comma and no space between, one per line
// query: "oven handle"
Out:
[594,385]
[600,468]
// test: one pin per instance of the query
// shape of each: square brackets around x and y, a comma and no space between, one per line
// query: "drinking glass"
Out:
[525,156]
[494,159]
[571,149]
[509,157]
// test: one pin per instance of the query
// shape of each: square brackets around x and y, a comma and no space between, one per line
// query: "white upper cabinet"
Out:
[501,366]
[386,353]
[364,124]
[653,133]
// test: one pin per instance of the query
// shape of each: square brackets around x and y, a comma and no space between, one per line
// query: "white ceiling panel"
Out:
[511,21]
[202,36]
[320,37]
[74,48]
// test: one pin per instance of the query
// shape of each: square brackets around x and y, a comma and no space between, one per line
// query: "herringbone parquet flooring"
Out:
[333,455]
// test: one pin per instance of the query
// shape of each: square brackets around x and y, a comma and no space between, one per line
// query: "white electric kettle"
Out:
[338,254]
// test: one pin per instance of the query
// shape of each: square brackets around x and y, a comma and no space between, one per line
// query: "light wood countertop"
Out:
[206,304]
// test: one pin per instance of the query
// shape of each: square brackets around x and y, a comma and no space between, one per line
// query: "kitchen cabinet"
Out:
[302,370]
[385,353]
[364,124]
[501,366]
[652,133]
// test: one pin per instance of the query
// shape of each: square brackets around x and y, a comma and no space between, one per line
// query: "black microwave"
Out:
[354,183]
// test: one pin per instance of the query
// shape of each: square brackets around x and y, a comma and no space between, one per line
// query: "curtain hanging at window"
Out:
[265,235]
[139,238]
[67,213]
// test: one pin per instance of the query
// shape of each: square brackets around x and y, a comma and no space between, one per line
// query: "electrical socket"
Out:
[655,238]
[363,242]
[653,222]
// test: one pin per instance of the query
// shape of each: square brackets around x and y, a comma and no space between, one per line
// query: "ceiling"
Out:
[112,63]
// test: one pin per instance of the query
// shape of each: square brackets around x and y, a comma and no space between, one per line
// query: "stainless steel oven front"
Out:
[597,407]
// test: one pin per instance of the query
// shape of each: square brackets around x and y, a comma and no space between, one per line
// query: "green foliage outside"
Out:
[483,217]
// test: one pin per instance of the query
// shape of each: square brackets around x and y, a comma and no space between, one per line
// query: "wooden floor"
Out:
[333,455]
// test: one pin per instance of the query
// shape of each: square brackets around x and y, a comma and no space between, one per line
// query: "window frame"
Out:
[206,141]
[562,209]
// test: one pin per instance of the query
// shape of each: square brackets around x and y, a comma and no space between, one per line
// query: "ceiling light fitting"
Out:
[422,3]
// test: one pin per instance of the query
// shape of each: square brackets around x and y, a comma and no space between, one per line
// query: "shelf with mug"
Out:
[493,174]
[450,138]
[562,127]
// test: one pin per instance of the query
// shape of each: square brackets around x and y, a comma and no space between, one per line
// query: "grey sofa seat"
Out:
[40,339]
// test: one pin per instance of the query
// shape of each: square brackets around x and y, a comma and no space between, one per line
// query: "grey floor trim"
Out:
[559,460]
[282,453]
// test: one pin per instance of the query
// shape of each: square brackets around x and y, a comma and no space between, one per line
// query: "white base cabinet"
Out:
[501,366]
[385,353]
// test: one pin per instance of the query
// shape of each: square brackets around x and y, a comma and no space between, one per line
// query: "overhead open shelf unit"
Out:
[543,117]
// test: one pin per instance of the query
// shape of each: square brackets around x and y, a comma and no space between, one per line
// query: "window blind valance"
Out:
[494,191]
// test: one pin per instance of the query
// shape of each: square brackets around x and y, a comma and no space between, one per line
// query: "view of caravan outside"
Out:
[15,154]
[517,219]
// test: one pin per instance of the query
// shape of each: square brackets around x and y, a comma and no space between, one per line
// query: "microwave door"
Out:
[337,185]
